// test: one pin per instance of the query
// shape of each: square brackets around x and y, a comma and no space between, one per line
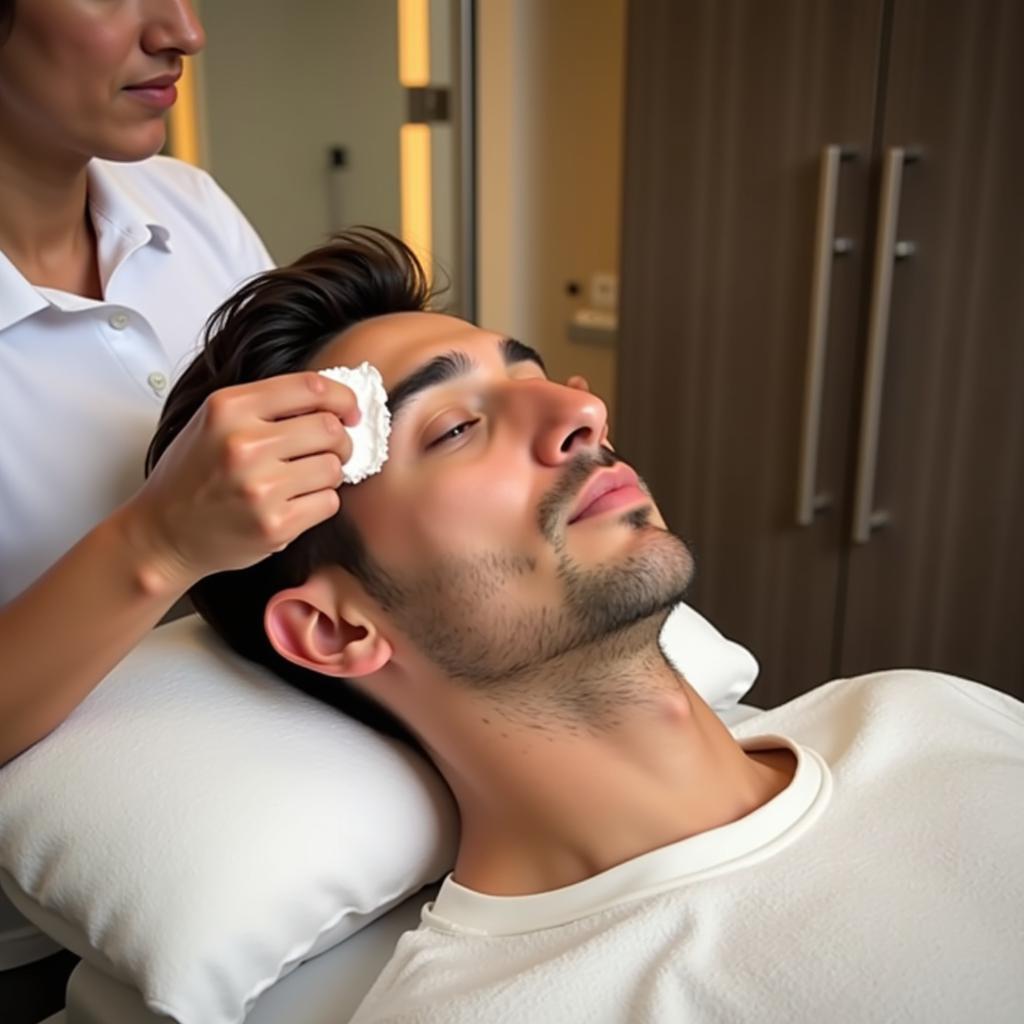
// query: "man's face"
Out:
[509,530]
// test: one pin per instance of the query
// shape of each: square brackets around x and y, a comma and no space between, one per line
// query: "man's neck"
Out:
[548,800]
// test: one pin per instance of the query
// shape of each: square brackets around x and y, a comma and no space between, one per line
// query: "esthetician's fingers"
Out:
[291,394]
[310,475]
[309,509]
[219,497]
[311,493]
[310,434]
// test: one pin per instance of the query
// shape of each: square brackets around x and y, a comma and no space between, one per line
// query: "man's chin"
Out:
[650,541]
[646,582]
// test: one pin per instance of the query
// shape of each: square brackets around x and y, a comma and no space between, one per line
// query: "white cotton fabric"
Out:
[719,669]
[82,382]
[370,435]
[884,883]
[197,828]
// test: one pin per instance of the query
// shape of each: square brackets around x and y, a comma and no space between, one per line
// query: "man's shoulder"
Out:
[424,980]
[900,702]
[917,687]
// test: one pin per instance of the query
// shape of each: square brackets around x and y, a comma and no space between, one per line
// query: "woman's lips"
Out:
[160,97]
[158,92]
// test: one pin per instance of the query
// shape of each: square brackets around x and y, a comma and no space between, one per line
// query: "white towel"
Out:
[370,434]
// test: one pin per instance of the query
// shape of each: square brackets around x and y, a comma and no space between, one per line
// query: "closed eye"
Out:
[450,435]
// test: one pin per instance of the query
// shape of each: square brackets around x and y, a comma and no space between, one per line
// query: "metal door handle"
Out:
[887,251]
[826,247]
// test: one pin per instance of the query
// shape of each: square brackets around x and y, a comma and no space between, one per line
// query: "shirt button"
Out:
[119,321]
[157,381]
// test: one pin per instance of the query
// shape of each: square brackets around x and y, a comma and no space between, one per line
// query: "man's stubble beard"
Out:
[565,654]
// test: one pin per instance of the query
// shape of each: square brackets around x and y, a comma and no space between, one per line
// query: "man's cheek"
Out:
[494,509]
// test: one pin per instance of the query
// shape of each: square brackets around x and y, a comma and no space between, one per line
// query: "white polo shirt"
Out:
[82,382]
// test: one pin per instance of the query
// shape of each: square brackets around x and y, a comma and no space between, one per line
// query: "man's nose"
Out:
[172,25]
[566,421]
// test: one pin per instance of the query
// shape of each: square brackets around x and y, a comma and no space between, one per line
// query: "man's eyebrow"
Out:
[449,366]
[513,351]
[439,370]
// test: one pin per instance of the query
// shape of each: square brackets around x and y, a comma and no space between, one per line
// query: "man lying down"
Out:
[497,590]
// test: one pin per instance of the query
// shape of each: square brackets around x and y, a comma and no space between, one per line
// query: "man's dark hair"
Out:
[276,323]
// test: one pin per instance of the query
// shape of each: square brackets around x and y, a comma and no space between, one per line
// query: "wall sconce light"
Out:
[415,155]
[183,119]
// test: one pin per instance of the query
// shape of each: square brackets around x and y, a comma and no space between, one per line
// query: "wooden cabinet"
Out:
[859,165]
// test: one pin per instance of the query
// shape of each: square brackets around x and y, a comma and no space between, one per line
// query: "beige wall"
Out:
[550,95]
[281,83]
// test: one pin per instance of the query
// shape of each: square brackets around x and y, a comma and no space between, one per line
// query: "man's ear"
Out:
[322,628]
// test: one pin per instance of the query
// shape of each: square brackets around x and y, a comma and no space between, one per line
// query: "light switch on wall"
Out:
[604,290]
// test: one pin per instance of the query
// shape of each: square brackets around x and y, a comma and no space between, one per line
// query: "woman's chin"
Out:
[128,147]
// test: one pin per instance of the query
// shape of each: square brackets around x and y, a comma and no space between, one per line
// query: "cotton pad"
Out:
[370,434]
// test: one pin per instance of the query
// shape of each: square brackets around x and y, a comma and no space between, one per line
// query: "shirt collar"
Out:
[115,201]
[19,298]
[125,221]
[754,837]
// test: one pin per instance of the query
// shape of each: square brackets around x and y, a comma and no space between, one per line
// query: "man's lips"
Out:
[608,489]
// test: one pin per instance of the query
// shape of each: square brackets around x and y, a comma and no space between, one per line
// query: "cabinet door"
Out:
[941,585]
[729,105]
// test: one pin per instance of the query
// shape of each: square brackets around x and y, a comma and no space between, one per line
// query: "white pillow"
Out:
[197,828]
[720,670]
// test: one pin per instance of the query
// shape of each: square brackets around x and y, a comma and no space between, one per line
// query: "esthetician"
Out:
[111,260]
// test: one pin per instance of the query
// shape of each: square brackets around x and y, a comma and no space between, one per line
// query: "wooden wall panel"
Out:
[729,103]
[942,586]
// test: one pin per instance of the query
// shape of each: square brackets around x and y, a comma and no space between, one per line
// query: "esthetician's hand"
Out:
[256,465]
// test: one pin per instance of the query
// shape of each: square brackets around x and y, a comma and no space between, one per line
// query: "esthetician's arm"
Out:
[256,466]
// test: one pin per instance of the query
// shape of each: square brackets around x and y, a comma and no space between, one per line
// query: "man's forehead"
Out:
[398,342]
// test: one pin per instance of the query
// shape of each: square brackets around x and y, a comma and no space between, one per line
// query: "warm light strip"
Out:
[416,222]
[414,43]
[183,123]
